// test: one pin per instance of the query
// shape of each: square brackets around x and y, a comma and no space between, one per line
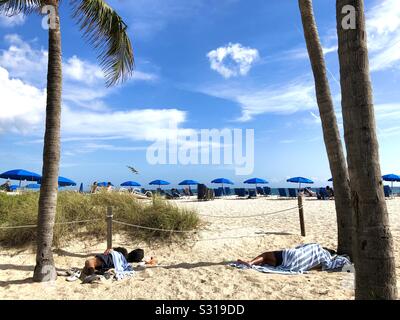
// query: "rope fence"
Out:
[57,223]
[110,221]
[249,216]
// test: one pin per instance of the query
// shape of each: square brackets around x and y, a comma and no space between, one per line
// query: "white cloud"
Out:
[82,71]
[233,60]
[12,21]
[383,26]
[22,105]
[22,61]
[23,112]
[138,124]
[285,99]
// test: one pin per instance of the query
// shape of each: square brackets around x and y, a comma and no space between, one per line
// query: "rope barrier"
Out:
[250,216]
[154,229]
[57,223]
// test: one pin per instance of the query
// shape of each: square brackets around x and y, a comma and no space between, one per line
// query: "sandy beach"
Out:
[197,268]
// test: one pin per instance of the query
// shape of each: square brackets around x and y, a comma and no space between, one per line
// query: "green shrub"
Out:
[22,210]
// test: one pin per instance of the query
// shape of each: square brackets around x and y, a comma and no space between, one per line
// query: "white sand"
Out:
[198,270]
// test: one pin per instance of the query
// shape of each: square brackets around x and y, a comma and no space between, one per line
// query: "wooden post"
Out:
[109,218]
[301,215]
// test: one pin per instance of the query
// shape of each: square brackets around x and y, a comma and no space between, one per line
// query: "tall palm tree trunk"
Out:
[374,260]
[333,143]
[45,269]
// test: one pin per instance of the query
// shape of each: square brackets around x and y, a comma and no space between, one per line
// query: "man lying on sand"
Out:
[104,262]
[300,259]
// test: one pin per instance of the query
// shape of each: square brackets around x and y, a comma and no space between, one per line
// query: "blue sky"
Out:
[200,64]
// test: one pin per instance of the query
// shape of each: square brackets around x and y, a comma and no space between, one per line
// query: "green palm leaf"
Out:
[14,7]
[106,31]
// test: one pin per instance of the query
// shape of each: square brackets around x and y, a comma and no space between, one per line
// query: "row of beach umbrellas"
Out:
[25,175]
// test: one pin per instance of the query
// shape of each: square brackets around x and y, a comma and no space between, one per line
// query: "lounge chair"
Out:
[204,193]
[388,191]
[292,193]
[282,193]
[227,191]
[240,192]
[267,191]
[260,191]
[252,193]
[218,192]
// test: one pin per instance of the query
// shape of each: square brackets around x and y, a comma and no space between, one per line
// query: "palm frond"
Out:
[106,31]
[14,7]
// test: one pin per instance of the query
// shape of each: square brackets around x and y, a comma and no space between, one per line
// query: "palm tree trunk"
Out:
[333,143]
[374,259]
[45,269]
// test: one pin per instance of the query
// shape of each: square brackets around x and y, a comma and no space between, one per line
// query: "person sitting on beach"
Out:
[302,258]
[94,187]
[308,193]
[109,187]
[330,192]
[6,186]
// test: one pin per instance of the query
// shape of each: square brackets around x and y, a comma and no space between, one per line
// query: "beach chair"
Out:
[292,193]
[388,191]
[267,191]
[227,191]
[282,193]
[252,193]
[322,194]
[260,191]
[204,193]
[219,192]
[240,192]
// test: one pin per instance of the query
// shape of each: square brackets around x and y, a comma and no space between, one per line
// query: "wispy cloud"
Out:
[12,21]
[232,60]
[284,99]
[383,25]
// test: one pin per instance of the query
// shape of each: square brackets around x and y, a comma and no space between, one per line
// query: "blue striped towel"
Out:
[301,259]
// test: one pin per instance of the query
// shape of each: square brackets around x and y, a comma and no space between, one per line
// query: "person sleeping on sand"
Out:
[104,262]
[303,258]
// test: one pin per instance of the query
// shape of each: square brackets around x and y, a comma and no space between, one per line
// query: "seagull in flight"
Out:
[133,170]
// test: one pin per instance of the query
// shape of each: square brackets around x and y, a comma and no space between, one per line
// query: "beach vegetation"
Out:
[21,210]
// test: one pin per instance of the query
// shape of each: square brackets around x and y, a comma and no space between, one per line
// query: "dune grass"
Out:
[22,210]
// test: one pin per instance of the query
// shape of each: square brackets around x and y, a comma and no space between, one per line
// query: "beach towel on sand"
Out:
[302,258]
[122,268]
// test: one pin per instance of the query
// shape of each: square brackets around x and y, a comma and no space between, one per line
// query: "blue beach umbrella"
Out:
[188,183]
[300,180]
[256,181]
[392,178]
[159,183]
[33,186]
[222,181]
[62,182]
[65,182]
[130,184]
[20,175]
[103,184]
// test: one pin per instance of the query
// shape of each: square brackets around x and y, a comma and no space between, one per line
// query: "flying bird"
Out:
[133,170]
